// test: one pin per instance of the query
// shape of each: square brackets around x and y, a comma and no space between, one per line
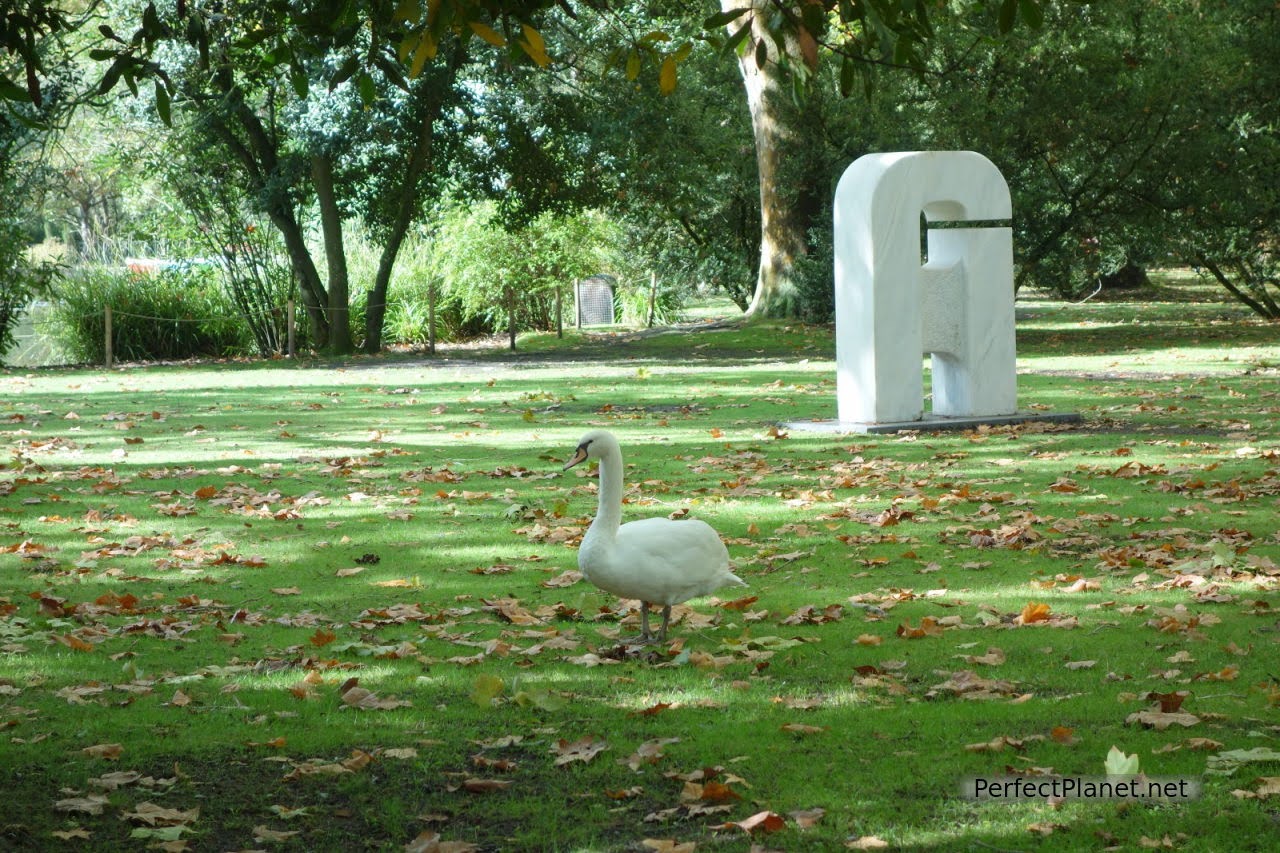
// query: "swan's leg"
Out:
[645,637]
[666,617]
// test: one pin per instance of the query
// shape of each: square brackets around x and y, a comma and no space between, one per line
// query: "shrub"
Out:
[631,303]
[815,277]
[407,321]
[485,268]
[172,314]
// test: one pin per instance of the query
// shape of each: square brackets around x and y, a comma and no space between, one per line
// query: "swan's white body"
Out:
[657,560]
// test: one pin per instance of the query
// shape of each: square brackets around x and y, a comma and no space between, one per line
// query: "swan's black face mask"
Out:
[579,455]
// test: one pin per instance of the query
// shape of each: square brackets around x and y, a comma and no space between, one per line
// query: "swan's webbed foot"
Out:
[640,640]
[646,636]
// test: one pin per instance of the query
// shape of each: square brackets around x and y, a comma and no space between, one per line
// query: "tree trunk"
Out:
[258,158]
[408,204]
[375,309]
[1263,306]
[340,342]
[304,269]
[782,229]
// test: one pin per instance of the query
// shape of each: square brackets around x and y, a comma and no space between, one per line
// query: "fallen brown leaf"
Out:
[264,833]
[153,815]
[867,842]
[92,804]
[1161,720]
[485,786]
[429,842]
[668,845]
[760,822]
[929,627]
[583,749]
[72,834]
[1033,612]
[108,751]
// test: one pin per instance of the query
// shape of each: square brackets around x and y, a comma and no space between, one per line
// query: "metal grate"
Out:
[594,298]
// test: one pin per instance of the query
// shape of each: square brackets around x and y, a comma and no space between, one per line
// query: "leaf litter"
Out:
[866,504]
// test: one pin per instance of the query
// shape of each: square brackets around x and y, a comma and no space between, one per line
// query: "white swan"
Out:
[657,560]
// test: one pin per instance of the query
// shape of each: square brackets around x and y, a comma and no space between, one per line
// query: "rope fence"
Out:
[109,316]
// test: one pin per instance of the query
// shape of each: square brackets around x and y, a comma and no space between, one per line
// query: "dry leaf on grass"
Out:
[72,835]
[807,818]
[1032,613]
[108,751]
[993,657]
[668,845]
[355,696]
[760,822]
[114,781]
[1161,720]
[929,627]
[429,842]
[583,749]
[867,842]
[649,752]
[153,815]
[92,804]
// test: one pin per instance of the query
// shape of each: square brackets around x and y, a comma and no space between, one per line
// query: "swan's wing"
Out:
[673,560]
[687,542]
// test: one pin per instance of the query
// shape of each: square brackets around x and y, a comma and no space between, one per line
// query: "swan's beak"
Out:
[579,455]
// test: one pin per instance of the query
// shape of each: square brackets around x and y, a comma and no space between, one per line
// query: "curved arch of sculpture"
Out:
[891,309]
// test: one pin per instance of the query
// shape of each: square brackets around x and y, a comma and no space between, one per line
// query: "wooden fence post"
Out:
[106,336]
[511,316]
[289,328]
[431,317]
[653,296]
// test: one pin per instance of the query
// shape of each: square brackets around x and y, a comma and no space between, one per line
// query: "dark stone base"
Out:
[932,423]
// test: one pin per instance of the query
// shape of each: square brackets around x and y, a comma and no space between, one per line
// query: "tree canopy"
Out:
[711,137]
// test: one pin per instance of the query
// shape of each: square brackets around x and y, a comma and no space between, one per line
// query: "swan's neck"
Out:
[609,511]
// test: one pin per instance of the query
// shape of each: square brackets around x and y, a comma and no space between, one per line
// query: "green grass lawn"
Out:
[330,607]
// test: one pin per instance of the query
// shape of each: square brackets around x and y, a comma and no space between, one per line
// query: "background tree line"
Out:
[363,157]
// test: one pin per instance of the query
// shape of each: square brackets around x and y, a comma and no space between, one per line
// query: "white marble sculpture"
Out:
[891,309]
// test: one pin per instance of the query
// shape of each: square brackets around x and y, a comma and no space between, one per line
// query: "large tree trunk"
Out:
[338,310]
[782,228]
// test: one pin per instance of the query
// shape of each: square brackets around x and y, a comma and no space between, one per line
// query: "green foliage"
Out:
[485,270]
[26,30]
[22,278]
[687,191]
[636,303]
[202,607]
[1119,146]
[409,313]
[815,277]
[175,314]
[216,220]
[409,321]
[21,282]
[1225,204]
